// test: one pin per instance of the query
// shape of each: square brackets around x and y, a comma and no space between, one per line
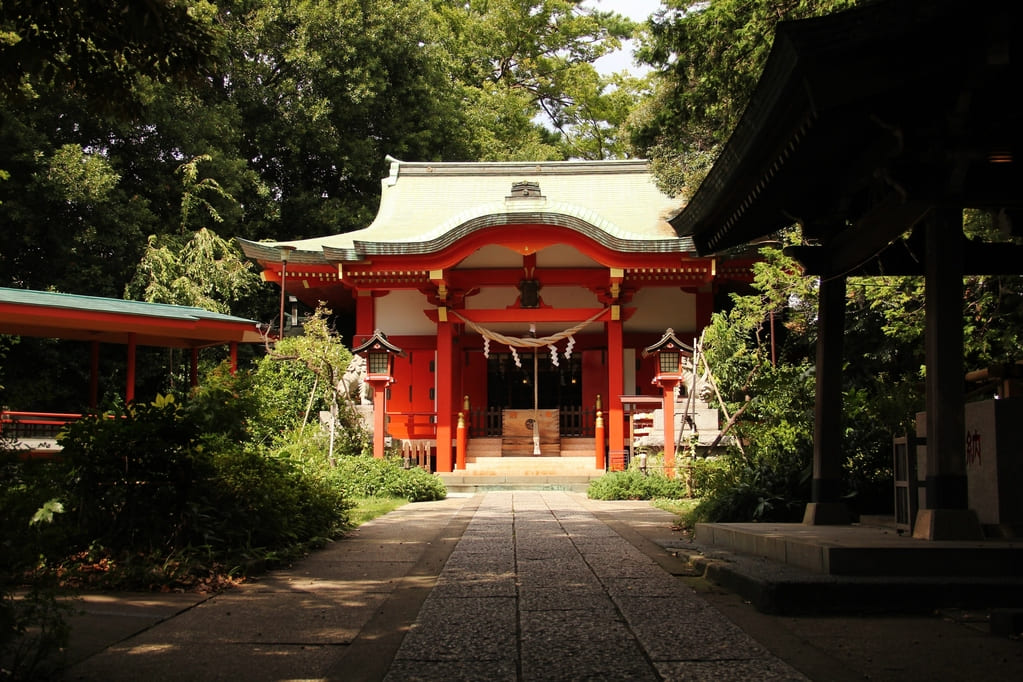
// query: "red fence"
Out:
[35,425]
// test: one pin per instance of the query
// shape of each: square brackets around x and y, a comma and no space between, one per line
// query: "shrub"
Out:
[267,501]
[737,489]
[159,481]
[33,626]
[302,377]
[130,475]
[635,485]
[366,476]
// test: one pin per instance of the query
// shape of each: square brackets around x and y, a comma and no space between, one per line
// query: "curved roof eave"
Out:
[360,250]
[450,235]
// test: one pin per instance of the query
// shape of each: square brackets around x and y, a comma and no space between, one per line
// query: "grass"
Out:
[680,508]
[368,508]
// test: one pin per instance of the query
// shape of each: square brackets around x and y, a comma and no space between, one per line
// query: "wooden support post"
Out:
[94,374]
[129,389]
[668,405]
[445,396]
[826,506]
[946,515]
[615,384]
[598,439]
[379,418]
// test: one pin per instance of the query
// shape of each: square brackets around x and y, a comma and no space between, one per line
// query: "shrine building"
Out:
[520,295]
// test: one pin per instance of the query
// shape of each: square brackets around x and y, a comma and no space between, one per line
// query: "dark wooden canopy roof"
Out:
[865,119]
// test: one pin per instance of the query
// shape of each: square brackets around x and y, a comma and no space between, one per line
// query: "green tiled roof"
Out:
[427,206]
[49,299]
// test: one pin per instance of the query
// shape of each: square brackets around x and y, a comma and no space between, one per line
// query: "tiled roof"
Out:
[109,320]
[426,206]
[98,304]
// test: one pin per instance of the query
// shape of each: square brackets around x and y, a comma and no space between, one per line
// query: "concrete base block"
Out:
[947,524]
[1006,622]
[827,514]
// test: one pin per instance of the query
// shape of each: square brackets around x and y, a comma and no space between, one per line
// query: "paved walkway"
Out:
[512,586]
[501,586]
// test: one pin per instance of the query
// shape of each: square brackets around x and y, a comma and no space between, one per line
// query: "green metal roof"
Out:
[26,312]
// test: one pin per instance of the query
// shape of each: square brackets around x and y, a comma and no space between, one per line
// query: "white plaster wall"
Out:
[400,313]
[569,297]
[563,256]
[492,298]
[492,256]
[658,308]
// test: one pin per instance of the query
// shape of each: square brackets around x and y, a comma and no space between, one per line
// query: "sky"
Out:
[637,10]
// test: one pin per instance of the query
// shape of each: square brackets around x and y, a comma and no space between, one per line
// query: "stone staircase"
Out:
[572,468]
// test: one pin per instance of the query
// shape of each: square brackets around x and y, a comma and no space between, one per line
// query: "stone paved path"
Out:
[538,588]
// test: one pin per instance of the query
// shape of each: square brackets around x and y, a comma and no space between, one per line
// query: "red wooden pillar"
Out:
[94,375]
[598,438]
[615,384]
[379,417]
[365,316]
[445,393]
[129,389]
[668,400]
[234,358]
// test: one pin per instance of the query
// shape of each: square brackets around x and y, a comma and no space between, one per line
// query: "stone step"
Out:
[497,447]
[530,465]
[459,482]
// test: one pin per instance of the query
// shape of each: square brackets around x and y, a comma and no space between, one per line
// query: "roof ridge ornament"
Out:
[525,189]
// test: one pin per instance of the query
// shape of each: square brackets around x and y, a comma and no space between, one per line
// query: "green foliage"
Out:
[103,49]
[33,623]
[366,476]
[34,630]
[301,377]
[769,478]
[132,475]
[709,56]
[369,508]
[263,500]
[515,62]
[167,476]
[633,484]
[992,308]
[203,272]
[741,489]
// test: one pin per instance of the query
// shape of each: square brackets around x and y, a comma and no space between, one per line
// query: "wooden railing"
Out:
[578,422]
[574,422]
[485,422]
[34,425]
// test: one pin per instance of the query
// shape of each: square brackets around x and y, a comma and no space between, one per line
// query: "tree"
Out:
[292,107]
[300,377]
[709,56]
[526,69]
[101,50]
[203,270]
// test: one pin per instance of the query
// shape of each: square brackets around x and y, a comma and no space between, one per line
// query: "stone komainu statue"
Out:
[353,382]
